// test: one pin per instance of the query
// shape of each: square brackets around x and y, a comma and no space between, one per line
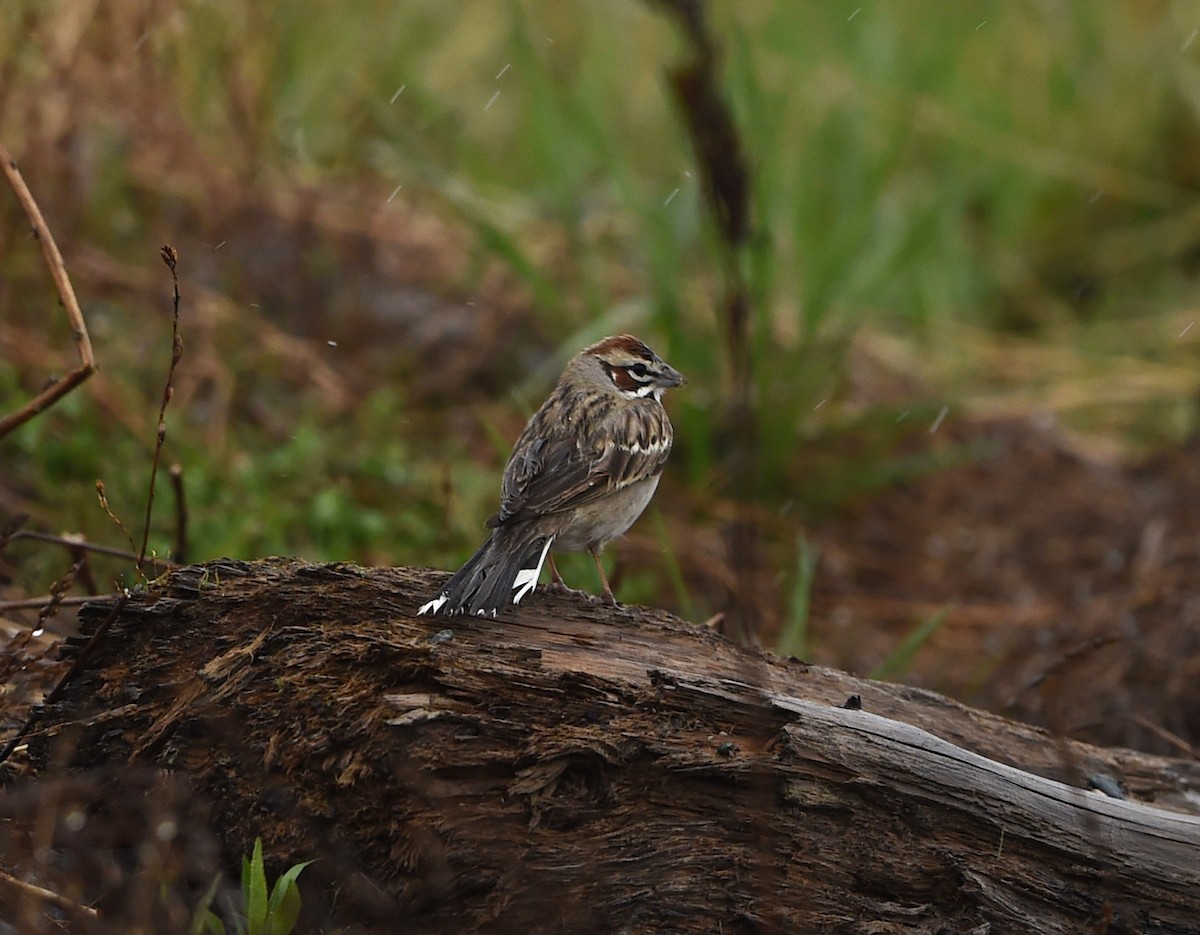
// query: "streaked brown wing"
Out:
[557,473]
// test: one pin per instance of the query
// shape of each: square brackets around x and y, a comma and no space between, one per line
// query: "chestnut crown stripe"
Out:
[623,342]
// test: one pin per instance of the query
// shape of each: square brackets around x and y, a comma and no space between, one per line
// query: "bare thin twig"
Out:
[28,603]
[10,530]
[72,543]
[77,665]
[170,256]
[62,282]
[102,493]
[725,171]
[181,514]
[58,591]
[56,899]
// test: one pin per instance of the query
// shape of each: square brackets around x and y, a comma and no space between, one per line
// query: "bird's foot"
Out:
[561,587]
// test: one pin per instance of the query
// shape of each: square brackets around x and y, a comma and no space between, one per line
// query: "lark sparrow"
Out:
[582,471]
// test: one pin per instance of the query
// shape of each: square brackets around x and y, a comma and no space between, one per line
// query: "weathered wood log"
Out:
[572,768]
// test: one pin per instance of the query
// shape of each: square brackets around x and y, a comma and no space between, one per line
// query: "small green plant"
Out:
[260,914]
[902,656]
[794,637]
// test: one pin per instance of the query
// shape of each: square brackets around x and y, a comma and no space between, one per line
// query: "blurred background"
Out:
[972,273]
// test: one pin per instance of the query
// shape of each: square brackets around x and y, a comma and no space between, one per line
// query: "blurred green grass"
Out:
[1004,191]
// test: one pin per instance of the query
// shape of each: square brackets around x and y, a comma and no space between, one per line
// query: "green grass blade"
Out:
[204,920]
[793,638]
[901,658]
[254,891]
[284,907]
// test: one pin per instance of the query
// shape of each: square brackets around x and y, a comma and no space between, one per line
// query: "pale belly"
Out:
[600,523]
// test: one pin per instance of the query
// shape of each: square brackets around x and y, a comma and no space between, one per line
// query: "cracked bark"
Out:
[575,768]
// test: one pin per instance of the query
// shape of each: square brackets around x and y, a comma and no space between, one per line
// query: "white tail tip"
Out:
[527,578]
[433,606]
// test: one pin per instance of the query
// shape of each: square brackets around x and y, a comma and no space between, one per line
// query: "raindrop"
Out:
[501,72]
[491,101]
[395,192]
[331,343]
[854,14]
[399,91]
[671,197]
[941,416]
[1189,40]
[1187,328]
[980,26]
[820,404]
[220,245]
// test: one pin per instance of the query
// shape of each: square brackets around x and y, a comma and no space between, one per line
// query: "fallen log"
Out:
[576,768]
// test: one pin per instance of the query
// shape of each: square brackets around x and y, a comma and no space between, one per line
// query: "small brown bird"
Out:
[582,471]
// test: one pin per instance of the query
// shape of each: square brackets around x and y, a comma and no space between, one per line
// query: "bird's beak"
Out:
[671,377]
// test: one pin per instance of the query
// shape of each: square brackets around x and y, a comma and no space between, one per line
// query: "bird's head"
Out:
[632,369]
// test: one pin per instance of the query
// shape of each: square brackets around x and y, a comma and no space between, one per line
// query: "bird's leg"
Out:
[557,583]
[606,596]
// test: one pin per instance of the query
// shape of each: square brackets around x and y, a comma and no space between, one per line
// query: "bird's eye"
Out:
[639,370]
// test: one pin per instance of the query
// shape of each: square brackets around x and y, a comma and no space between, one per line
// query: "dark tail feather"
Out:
[501,572]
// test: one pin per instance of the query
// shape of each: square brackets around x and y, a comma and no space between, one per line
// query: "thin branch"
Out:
[10,530]
[102,493]
[170,256]
[58,591]
[76,667]
[181,515]
[29,603]
[726,174]
[56,899]
[70,542]
[66,293]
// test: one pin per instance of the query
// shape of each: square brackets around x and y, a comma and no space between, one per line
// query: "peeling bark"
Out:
[574,768]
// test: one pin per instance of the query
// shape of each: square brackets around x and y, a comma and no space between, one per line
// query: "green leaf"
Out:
[902,656]
[204,920]
[254,891]
[284,908]
[212,924]
[793,638]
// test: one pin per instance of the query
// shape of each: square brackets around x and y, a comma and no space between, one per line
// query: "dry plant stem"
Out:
[40,893]
[76,666]
[58,591]
[29,603]
[725,170]
[181,516]
[1158,730]
[9,532]
[169,256]
[103,495]
[86,579]
[62,282]
[74,544]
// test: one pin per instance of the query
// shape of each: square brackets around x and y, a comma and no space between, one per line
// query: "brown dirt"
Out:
[1070,585]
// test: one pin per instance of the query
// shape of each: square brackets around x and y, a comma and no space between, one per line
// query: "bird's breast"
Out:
[597,524]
